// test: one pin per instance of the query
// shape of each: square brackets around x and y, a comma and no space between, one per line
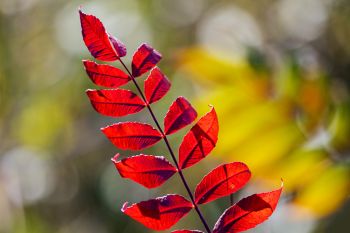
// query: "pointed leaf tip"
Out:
[248,212]
[160,213]
[144,59]
[132,135]
[156,85]
[147,170]
[180,114]
[222,181]
[200,140]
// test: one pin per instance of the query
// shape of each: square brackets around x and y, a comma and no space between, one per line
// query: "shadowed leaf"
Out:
[180,114]
[156,85]
[105,75]
[200,140]
[115,102]
[160,213]
[132,135]
[147,170]
[248,212]
[222,181]
[144,59]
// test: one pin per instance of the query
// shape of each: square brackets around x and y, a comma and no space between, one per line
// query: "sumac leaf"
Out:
[156,85]
[147,170]
[115,102]
[160,213]
[144,59]
[222,181]
[105,75]
[248,212]
[187,231]
[96,38]
[200,140]
[132,135]
[118,46]
[180,114]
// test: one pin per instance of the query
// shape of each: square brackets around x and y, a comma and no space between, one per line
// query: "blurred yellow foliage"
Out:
[267,120]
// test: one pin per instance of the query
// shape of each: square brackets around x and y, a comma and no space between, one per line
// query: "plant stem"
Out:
[169,148]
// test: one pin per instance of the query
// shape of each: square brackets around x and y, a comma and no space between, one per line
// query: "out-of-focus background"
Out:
[277,71]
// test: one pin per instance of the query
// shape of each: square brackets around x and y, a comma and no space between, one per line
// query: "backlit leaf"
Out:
[132,135]
[96,38]
[160,213]
[156,85]
[248,212]
[200,140]
[180,114]
[144,59]
[147,170]
[118,46]
[222,181]
[105,75]
[115,102]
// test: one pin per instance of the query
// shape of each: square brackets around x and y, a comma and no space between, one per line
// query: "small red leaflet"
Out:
[115,102]
[180,114]
[97,39]
[222,181]
[147,170]
[156,85]
[160,213]
[144,59]
[248,212]
[200,141]
[105,75]
[132,135]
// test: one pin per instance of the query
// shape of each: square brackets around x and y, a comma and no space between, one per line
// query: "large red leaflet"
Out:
[147,170]
[200,141]
[187,231]
[97,39]
[160,213]
[105,75]
[144,59]
[222,181]
[132,135]
[180,114]
[115,102]
[248,212]
[156,85]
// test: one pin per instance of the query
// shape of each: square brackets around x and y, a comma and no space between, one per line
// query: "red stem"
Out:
[169,148]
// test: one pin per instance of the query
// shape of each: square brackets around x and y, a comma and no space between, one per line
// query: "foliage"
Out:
[161,213]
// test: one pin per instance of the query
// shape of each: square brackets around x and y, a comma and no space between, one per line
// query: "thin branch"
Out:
[169,148]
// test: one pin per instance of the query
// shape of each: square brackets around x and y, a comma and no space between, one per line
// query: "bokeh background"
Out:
[277,71]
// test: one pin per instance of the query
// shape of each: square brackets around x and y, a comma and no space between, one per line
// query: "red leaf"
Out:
[180,114]
[187,231]
[132,135]
[97,39]
[248,212]
[156,85]
[115,102]
[118,46]
[222,181]
[160,213]
[144,59]
[105,75]
[200,141]
[147,170]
